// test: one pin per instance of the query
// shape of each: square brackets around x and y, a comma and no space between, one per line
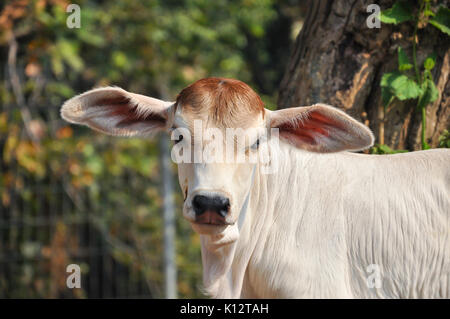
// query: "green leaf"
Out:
[400,12]
[56,62]
[119,59]
[400,86]
[444,139]
[386,93]
[386,96]
[430,93]
[69,53]
[387,78]
[384,149]
[403,61]
[428,13]
[90,37]
[405,88]
[430,61]
[442,20]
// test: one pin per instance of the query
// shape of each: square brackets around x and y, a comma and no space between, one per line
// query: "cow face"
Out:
[220,119]
[219,127]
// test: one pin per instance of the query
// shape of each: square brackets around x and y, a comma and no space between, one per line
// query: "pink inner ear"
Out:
[306,129]
[121,106]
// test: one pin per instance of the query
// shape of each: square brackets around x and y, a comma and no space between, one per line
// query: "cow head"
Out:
[216,191]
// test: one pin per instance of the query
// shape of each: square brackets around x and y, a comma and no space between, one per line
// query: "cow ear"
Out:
[114,111]
[321,128]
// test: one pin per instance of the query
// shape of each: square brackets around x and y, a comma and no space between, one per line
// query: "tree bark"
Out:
[339,60]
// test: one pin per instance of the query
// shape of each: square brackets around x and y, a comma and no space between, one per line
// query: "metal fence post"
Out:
[169,221]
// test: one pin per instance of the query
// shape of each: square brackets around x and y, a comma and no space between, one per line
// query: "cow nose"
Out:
[218,204]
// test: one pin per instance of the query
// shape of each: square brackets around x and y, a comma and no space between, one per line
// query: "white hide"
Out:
[312,229]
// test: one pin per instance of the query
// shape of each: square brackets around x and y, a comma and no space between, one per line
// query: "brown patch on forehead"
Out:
[227,102]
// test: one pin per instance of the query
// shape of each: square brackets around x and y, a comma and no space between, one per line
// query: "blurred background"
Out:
[72,196]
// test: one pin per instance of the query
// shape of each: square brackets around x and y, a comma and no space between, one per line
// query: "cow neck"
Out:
[223,273]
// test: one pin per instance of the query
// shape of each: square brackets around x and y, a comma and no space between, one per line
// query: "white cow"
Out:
[327,224]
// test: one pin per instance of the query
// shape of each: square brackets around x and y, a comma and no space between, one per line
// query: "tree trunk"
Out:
[339,60]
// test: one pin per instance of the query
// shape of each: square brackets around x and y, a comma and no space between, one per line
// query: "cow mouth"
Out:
[210,218]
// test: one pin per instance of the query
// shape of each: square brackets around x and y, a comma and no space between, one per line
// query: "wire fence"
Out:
[76,197]
[43,229]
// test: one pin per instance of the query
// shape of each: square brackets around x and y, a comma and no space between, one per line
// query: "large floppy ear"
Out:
[114,111]
[321,128]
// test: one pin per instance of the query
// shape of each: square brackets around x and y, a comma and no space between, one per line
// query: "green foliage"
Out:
[444,139]
[400,12]
[403,61]
[402,84]
[430,61]
[442,20]
[429,93]
[384,149]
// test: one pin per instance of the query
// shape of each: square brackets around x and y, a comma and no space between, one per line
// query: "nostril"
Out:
[199,204]
[224,206]
[219,204]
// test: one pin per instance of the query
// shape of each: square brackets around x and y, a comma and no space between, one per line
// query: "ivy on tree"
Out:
[408,82]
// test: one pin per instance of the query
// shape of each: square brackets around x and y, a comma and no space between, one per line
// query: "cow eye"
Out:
[255,145]
[179,139]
